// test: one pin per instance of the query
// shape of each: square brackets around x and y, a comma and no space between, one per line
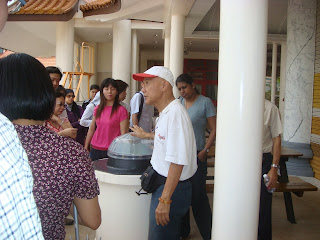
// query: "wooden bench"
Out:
[285,186]
[298,188]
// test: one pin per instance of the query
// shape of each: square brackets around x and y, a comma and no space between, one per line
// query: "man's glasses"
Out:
[15,5]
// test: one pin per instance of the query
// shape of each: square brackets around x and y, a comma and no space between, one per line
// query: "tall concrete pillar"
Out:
[239,119]
[134,65]
[301,26]
[274,73]
[167,51]
[176,47]
[121,53]
[65,45]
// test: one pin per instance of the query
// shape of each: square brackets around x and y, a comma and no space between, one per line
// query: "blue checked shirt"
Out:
[19,218]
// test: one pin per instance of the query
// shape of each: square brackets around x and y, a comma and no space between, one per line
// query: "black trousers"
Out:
[200,205]
[265,226]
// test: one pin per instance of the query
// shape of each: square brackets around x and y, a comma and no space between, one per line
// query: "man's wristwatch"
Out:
[275,165]
[207,150]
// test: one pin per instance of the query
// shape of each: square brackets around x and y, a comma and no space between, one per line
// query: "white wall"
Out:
[146,55]
[104,61]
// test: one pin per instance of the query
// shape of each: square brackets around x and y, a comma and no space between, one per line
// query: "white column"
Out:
[301,26]
[176,47]
[121,54]
[167,51]
[65,45]
[274,73]
[282,79]
[134,64]
[239,119]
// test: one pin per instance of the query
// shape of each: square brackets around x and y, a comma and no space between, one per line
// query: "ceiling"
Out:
[150,19]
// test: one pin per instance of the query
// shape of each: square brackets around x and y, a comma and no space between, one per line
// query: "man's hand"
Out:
[273,178]
[202,155]
[140,133]
[162,214]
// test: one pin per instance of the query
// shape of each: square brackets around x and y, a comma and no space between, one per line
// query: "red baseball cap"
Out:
[156,71]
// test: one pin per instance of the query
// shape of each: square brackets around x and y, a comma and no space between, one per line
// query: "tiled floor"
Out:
[306,209]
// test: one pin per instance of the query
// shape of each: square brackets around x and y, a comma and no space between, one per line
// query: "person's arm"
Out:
[202,155]
[66,124]
[76,125]
[276,151]
[90,134]
[163,209]
[68,130]
[135,120]
[134,108]
[87,115]
[140,133]
[89,213]
[124,126]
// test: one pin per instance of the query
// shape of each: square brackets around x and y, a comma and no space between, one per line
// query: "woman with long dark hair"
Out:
[110,120]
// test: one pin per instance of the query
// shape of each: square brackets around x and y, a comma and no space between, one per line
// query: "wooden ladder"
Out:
[70,75]
[78,69]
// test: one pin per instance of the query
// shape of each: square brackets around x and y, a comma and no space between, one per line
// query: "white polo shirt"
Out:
[271,125]
[174,141]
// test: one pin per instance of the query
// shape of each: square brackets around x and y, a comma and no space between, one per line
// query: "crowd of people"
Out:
[48,143]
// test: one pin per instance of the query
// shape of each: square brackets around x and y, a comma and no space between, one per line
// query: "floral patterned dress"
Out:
[61,170]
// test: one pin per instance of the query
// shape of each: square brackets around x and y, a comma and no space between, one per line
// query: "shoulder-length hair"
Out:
[103,101]
[26,91]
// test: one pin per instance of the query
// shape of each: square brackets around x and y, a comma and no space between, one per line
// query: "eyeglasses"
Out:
[71,96]
[15,5]
[60,104]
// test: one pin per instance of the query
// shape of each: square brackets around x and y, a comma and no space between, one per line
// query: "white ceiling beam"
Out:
[34,43]
[136,24]
[197,13]
[133,11]
[175,7]
[83,23]
[277,38]
[181,7]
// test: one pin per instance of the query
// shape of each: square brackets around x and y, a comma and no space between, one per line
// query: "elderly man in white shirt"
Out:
[174,157]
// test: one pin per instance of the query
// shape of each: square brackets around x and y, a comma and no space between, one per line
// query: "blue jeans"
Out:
[96,154]
[200,204]
[181,200]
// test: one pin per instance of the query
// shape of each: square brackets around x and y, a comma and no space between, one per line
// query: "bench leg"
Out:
[289,207]
[286,195]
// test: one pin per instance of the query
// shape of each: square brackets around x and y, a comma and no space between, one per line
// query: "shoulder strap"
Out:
[140,106]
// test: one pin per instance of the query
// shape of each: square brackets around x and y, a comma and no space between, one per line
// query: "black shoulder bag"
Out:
[150,181]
